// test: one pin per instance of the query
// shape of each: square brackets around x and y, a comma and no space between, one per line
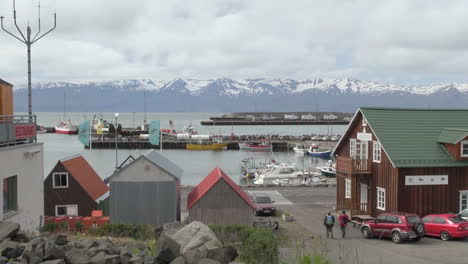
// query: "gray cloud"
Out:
[420,41]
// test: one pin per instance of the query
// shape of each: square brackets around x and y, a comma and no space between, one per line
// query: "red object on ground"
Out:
[209,181]
[72,220]
[96,213]
[60,219]
[48,219]
[446,226]
[94,222]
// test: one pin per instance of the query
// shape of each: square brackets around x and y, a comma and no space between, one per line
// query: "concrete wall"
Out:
[142,171]
[153,203]
[29,169]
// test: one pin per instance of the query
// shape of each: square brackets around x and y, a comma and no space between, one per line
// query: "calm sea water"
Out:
[196,164]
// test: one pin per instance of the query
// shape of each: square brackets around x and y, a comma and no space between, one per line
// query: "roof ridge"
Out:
[411,109]
[71,157]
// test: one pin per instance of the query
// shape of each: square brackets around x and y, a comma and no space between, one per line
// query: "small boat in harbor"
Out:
[314,151]
[264,146]
[209,145]
[299,149]
[329,170]
[280,172]
[67,127]
[41,130]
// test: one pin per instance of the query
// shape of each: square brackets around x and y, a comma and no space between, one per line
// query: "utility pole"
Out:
[29,41]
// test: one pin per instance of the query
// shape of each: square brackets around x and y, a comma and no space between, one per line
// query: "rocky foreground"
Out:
[174,243]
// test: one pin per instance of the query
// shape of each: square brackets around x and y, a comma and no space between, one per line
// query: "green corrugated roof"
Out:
[452,135]
[410,136]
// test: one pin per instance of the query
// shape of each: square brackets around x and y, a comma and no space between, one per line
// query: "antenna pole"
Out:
[28,41]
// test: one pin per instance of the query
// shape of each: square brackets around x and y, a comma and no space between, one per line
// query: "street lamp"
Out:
[116,159]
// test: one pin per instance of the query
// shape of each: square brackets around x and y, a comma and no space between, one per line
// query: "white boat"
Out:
[41,130]
[67,127]
[281,171]
[299,149]
[308,117]
[264,146]
[329,170]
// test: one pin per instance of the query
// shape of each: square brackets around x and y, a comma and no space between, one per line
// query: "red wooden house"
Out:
[218,200]
[407,160]
[73,188]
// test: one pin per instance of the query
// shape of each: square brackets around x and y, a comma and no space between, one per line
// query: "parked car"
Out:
[397,226]
[446,226]
[464,214]
[263,204]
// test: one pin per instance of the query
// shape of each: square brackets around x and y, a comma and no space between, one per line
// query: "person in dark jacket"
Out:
[329,222]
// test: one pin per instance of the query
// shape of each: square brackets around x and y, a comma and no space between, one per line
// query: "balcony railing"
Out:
[360,209]
[353,166]
[17,129]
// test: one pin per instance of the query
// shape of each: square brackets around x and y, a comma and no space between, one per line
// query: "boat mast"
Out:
[144,94]
[64,106]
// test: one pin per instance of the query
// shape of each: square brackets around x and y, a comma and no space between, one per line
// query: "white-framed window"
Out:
[464,148]
[66,210]
[463,200]
[60,179]
[347,188]
[364,121]
[380,198]
[352,148]
[377,150]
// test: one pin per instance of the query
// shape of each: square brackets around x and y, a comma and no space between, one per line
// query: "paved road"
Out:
[309,205]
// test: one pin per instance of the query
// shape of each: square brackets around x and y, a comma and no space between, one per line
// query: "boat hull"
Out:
[65,131]
[328,174]
[243,146]
[214,146]
[322,154]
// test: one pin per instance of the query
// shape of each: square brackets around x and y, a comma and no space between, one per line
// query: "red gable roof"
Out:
[206,184]
[86,176]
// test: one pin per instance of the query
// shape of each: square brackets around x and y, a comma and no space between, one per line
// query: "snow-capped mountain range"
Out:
[227,95]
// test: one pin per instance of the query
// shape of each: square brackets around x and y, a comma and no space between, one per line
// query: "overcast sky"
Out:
[395,41]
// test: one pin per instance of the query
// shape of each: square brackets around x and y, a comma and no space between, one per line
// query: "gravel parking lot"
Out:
[310,204]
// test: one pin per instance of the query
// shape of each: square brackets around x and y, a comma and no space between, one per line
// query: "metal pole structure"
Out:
[116,158]
[28,41]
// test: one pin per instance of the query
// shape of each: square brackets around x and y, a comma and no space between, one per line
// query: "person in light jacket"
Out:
[329,222]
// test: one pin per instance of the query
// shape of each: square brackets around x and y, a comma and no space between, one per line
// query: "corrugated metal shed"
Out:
[218,200]
[146,191]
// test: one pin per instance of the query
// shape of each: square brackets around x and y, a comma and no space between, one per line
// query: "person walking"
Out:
[329,222]
[343,219]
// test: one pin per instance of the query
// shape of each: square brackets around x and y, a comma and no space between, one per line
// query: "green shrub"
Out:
[79,226]
[135,231]
[49,227]
[260,247]
[255,245]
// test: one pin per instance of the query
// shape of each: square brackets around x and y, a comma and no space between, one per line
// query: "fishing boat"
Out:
[329,170]
[67,127]
[264,146]
[252,167]
[315,152]
[209,145]
[299,149]
[280,172]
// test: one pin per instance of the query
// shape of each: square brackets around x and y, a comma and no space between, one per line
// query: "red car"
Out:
[446,226]
[398,226]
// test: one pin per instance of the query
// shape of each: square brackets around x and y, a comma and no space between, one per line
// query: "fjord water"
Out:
[196,164]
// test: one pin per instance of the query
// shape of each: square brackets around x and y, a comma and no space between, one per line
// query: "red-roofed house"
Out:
[218,200]
[73,188]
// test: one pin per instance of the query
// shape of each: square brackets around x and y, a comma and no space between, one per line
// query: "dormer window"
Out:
[464,148]
[60,180]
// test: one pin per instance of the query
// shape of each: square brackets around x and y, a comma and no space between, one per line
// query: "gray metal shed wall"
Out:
[153,203]
[221,205]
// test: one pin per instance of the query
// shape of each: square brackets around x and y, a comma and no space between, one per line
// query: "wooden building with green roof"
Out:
[403,160]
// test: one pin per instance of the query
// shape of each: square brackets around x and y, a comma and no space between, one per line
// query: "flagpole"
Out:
[90,133]
[160,140]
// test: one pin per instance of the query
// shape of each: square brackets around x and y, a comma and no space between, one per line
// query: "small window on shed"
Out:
[60,180]
[464,148]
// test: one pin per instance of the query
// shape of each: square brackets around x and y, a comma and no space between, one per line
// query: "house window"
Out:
[377,151]
[352,148]
[10,194]
[60,180]
[364,121]
[463,200]
[464,148]
[347,188]
[68,210]
[380,198]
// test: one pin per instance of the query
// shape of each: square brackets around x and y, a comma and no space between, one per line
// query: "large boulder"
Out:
[207,261]
[168,229]
[77,256]
[167,249]
[103,258]
[8,229]
[61,240]
[196,235]
[179,260]
[55,261]
[223,254]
